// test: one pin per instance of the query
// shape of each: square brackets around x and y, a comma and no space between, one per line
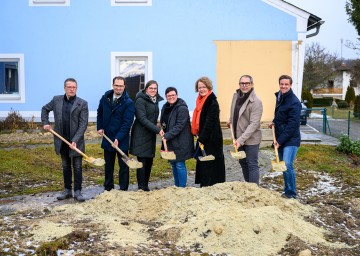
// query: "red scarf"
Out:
[197,111]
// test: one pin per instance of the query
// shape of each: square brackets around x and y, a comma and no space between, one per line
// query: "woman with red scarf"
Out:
[206,127]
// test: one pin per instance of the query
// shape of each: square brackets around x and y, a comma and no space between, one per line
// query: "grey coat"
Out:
[178,136]
[248,124]
[144,129]
[79,116]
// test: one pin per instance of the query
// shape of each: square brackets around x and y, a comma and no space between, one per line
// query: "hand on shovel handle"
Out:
[97,161]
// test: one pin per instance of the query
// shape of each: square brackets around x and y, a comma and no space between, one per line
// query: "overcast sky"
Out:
[335,28]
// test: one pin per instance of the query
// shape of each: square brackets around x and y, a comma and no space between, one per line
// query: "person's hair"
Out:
[70,80]
[150,83]
[169,89]
[206,81]
[119,78]
[247,76]
[285,77]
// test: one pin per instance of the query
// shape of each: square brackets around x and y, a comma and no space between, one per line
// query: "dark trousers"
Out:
[143,174]
[67,162]
[110,157]
[250,165]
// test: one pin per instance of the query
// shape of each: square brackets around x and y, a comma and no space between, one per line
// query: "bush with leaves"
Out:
[348,146]
[350,95]
[342,104]
[307,96]
[357,106]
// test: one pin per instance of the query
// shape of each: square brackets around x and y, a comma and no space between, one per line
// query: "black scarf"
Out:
[241,98]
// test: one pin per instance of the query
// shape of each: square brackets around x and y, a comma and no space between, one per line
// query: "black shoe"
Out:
[78,196]
[287,196]
[146,188]
[67,193]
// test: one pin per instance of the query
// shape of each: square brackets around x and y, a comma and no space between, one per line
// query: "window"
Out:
[131,2]
[135,67]
[49,2]
[12,88]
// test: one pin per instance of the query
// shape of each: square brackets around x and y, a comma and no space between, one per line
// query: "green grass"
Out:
[29,171]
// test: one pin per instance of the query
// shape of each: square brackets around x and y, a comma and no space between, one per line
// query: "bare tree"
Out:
[320,66]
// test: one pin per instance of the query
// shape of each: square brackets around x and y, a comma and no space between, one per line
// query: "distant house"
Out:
[175,42]
[337,86]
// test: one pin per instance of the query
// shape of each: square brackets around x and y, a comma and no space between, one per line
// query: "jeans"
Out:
[76,163]
[179,172]
[110,157]
[250,165]
[288,154]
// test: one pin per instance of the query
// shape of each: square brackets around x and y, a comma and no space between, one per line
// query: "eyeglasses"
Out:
[152,88]
[119,85]
[243,84]
[171,95]
[70,87]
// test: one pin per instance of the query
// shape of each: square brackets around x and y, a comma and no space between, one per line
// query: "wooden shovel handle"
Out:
[165,144]
[64,140]
[233,137]
[276,150]
[116,147]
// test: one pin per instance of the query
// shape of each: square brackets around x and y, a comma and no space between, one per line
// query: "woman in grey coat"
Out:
[144,130]
[175,122]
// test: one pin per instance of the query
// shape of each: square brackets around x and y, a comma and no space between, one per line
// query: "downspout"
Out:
[317,26]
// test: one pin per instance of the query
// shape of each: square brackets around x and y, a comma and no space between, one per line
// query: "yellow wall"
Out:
[265,61]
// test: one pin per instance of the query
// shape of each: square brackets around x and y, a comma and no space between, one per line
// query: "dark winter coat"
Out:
[79,116]
[210,172]
[287,119]
[178,134]
[115,119]
[144,129]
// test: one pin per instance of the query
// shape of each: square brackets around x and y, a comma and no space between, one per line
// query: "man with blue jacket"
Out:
[287,131]
[115,116]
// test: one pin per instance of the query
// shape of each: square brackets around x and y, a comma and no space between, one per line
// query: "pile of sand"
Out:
[234,217]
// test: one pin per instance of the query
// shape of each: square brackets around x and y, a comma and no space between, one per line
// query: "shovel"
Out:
[131,162]
[169,155]
[205,157]
[89,159]
[278,166]
[237,154]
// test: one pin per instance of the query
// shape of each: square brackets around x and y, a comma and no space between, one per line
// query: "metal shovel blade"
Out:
[168,155]
[132,163]
[206,158]
[95,161]
[238,154]
[278,166]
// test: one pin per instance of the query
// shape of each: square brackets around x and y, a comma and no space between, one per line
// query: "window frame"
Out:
[49,2]
[131,2]
[117,56]
[20,96]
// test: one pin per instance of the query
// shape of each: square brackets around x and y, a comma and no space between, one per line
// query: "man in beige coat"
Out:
[245,116]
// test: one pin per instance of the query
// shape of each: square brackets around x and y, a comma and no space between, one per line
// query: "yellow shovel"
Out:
[205,157]
[278,166]
[168,155]
[237,154]
[89,159]
[131,162]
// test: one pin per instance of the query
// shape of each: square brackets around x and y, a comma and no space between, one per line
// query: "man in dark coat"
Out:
[115,116]
[71,116]
[287,131]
